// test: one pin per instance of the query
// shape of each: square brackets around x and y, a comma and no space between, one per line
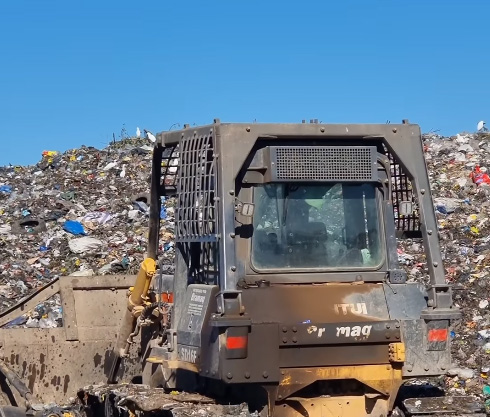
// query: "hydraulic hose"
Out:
[135,303]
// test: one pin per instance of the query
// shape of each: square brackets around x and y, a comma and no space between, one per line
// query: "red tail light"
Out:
[236,342]
[437,335]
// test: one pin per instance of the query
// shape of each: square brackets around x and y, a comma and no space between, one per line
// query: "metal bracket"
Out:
[230,303]
[440,304]
[396,352]
[440,296]
[440,314]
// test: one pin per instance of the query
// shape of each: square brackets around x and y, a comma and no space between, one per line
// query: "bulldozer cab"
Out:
[287,274]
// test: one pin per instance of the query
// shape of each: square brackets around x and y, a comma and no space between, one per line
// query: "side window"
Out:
[266,216]
[266,228]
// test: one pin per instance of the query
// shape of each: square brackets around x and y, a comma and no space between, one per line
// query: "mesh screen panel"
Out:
[188,171]
[325,163]
[402,191]
[196,211]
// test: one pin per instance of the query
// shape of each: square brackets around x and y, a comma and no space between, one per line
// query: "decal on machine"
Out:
[343,331]
[357,308]
[354,331]
[188,354]
[196,305]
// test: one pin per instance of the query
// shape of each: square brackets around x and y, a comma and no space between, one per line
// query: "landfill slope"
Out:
[80,212]
[460,188]
[83,212]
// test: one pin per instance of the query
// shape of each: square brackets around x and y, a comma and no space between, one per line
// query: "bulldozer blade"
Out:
[454,406]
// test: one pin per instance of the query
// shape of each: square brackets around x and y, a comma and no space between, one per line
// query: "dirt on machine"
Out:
[287,297]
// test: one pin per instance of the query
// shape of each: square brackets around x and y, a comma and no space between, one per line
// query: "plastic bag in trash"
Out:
[74,227]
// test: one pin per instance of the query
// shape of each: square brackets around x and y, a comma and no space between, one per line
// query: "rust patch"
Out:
[97,360]
[24,368]
[42,357]
[53,339]
[17,359]
[12,359]
[53,381]
[66,383]
[43,371]
[32,376]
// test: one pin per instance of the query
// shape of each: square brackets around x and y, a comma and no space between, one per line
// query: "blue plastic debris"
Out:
[74,227]
[141,206]
[125,262]
[453,334]
[26,212]
[5,189]
[441,209]
[163,211]
[43,248]
[19,321]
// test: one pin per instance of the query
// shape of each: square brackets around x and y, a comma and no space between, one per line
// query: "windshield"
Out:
[318,226]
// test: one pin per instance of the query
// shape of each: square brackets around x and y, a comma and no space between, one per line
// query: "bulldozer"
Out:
[287,299]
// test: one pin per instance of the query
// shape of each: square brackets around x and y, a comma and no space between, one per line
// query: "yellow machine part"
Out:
[384,380]
[139,292]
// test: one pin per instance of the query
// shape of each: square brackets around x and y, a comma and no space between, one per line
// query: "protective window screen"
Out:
[402,191]
[196,211]
[316,226]
[327,163]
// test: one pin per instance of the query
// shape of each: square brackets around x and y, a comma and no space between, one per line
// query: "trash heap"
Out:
[83,212]
[460,183]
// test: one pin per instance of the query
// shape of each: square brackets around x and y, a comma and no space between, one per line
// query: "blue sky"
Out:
[74,72]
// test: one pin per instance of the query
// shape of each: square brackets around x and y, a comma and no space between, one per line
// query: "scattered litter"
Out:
[458,169]
[73,214]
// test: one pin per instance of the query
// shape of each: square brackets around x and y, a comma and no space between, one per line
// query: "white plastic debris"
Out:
[463,373]
[84,244]
[5,229]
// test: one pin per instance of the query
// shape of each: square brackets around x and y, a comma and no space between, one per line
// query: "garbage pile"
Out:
[460,183]
[83,212]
